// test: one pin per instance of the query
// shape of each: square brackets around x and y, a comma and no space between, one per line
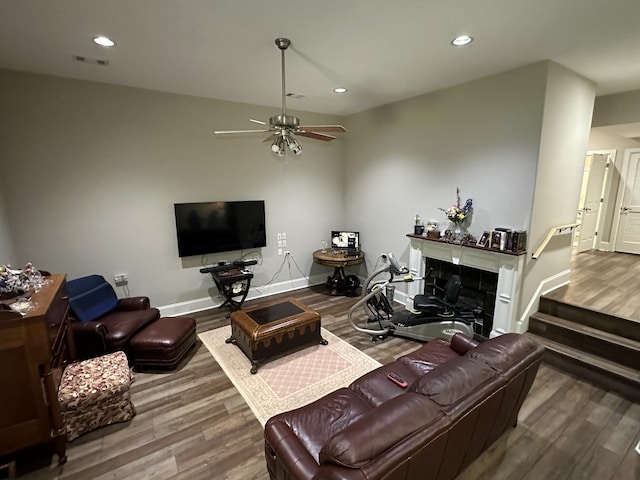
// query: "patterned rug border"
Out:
[262,400]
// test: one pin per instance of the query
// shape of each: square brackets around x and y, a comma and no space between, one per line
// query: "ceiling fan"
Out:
[284,127]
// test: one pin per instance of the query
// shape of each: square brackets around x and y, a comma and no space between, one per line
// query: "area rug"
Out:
[290,381]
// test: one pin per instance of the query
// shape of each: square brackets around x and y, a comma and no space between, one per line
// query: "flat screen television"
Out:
[212,227]
[344,240]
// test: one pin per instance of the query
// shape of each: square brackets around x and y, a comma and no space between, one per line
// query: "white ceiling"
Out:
[382,51]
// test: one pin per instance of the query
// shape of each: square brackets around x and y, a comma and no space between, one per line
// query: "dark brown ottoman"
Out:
[163,343]
[273,329]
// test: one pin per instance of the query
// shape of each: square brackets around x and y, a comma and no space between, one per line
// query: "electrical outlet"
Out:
[284,235]
[279,251]
[121,279]
[279,243]
[284,242]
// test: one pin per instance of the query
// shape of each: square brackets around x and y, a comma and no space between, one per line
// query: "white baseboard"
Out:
[547,285]
[400,297]
[206,303]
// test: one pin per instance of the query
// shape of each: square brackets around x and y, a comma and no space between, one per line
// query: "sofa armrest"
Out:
[133,303]
[88,338]
[462,344]
[379,430]
[282,442]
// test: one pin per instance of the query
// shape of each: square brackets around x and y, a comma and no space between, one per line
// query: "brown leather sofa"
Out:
[461,396]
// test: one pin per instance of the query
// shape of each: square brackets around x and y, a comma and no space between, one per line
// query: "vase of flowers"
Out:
[460,216]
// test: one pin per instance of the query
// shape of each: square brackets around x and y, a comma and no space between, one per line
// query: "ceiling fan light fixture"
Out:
[461,40]
[278,146]
[294,146]
[283,126]
[340,90]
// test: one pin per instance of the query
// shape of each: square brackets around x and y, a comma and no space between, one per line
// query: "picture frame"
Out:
[498,239]
[483,241]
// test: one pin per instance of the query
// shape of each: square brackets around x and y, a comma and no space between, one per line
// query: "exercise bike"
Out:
[437,316]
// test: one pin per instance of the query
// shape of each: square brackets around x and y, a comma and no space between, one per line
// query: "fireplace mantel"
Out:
[507,265]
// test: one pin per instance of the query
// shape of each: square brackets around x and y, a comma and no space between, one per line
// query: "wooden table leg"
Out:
[336,281]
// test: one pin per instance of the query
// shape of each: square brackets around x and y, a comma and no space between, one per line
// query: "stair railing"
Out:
[555,231]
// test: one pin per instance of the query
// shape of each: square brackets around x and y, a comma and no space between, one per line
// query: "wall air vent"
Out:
[95,61]
[295,95]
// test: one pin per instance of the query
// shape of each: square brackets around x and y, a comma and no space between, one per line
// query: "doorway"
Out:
[628,212]
[591,203]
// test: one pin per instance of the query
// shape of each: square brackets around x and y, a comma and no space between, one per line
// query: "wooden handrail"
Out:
[560,230]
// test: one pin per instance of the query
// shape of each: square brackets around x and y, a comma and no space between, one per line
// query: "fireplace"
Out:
[492,278]
[477,293]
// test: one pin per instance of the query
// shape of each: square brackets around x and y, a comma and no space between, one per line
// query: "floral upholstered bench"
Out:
[94,393]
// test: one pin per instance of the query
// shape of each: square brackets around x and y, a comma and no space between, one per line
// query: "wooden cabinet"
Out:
[30,349]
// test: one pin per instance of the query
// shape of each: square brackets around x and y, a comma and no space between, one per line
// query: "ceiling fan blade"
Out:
[224,132]
[260,122]
[325,128]
[270,138]
[316,136]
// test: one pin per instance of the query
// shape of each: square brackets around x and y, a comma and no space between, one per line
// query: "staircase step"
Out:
[604,373]
[622,327]
[608,345]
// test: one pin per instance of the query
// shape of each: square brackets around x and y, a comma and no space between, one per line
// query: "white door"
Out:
[628,236]
[591,202]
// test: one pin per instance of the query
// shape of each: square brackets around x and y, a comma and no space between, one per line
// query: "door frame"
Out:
[624,170]
[593,196]
[599,244]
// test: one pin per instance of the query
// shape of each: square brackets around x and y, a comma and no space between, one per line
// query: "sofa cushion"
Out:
[503,352]
[121,325]
[91,297]
[429,356]
[380,429]
[376,388]
[453,381]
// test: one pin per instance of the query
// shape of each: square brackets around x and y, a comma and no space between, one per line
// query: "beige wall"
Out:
[408,158]
[617,109]
[568,106]
[502,140]
[90,173]
[6,245]
[105,164]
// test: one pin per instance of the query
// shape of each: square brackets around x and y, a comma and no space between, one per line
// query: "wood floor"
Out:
[604,281]
[193,424]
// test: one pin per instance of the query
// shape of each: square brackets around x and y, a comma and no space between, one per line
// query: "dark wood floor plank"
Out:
[604,281]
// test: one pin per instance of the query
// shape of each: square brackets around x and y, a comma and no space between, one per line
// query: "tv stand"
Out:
[232,282]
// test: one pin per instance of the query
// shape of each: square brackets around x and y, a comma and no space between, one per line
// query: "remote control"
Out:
[397,380]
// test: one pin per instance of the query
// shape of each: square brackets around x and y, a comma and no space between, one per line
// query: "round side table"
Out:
[338,262]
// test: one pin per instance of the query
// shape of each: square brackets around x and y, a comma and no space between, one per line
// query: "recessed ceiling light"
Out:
[340,90]
[104,41]
[462,40]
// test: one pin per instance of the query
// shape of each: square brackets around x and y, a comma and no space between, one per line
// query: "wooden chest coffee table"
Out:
[272,329]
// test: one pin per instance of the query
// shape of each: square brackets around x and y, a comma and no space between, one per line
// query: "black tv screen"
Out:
[212,227]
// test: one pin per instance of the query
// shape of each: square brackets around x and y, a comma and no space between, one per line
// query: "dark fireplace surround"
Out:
[478,289]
